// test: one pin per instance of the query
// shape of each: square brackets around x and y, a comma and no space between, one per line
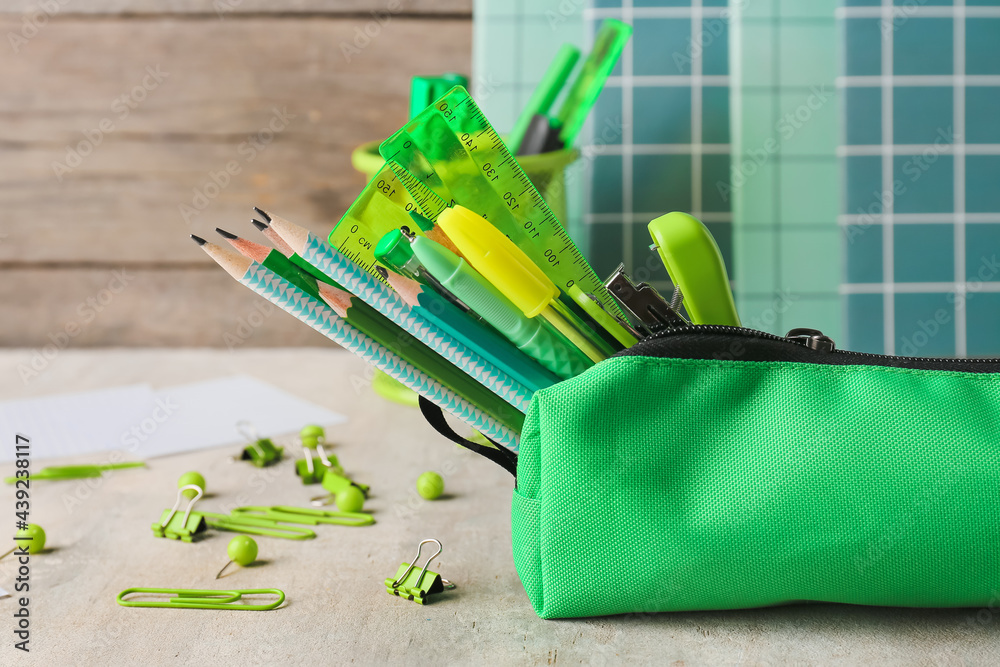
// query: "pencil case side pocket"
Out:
[726,469]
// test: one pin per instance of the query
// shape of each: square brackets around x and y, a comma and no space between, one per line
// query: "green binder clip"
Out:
[417,586]
[335,482]
[313,438]
[260,451]
[306,516]
[172,525]
[200,599]
[184,528]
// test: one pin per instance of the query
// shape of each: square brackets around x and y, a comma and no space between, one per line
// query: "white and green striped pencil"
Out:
[355,279]
[325,320]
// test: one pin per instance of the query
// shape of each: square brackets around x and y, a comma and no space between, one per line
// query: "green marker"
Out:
[608,46]
[544,94]
[425,89]
[546,346]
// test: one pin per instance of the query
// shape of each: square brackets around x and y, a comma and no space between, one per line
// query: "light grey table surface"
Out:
[337,610]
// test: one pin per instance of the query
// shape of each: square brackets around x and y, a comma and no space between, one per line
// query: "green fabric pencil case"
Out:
[712,467]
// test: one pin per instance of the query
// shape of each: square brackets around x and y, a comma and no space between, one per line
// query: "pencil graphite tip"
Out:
[261,226]
[262,213]
[198,240]
[381,270]
[226,235]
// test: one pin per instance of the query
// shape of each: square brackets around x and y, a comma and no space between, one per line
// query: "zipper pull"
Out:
[811,338]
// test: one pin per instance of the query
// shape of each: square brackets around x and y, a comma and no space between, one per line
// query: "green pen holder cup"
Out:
[547,172]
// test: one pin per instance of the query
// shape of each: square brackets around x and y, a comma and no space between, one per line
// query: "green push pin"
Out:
[191,479]
[351,499]
[242,550]
[430,485]
[31,537]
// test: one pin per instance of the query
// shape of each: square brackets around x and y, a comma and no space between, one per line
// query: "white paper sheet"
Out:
[146,423]
[204,414]
[68,424]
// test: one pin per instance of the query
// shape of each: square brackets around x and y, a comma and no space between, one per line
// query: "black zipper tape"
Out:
[711,341]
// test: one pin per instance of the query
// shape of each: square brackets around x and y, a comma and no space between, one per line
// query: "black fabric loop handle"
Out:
[502,456]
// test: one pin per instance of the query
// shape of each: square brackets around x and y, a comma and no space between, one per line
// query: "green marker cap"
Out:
[394,251]
[425,90]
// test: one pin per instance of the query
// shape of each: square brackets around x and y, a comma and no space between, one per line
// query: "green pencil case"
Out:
[712,467]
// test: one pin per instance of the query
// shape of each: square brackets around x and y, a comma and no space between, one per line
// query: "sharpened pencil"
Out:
[475,334]
[324,319]
[344,271]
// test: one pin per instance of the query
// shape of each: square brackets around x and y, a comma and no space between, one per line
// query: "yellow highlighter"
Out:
[505,265]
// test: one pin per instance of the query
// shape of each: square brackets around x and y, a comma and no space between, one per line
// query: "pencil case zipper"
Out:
[727,343]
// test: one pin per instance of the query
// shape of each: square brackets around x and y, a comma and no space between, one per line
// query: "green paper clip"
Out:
[256,526]
[261,451]
[417,586]
[76,472]
[176,527]
[306,516]
[201,599]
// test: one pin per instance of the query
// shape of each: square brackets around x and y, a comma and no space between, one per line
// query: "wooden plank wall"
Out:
[115,116]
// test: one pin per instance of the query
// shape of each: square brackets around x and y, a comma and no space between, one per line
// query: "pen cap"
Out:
[542,136]
[394,251]
[499,260]
[425,89]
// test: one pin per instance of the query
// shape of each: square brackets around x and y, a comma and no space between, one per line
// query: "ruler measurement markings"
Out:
[542,236]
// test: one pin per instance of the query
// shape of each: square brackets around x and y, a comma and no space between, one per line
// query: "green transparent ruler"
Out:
[384,205]
[451,149]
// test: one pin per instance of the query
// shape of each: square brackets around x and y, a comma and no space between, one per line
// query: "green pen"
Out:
[548,347]
[695,265]
[545,94]
[608,46]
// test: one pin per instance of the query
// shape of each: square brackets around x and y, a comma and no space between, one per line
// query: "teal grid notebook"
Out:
[921,157]
[513,41]
[785,179]
[659,138]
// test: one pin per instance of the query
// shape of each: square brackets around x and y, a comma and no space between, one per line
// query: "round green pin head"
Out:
[242,549]
[312,436]
[430,485]
[312,431]
[351,499]
[189,478]
[32,538]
